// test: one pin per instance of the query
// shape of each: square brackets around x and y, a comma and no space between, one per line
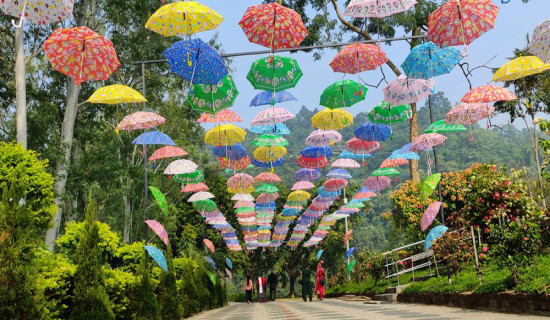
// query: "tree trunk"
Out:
[292,276]
[413,164]
[21,90]
[127,217]
[535,146]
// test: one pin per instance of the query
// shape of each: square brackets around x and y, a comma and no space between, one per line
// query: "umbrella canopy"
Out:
[319,253]
[312,163]
[427,60]
[373,132]
[266,188]
[267,197]
[343,93]
[315,152]
[224,135]
[405,90]
[332,119]
[440,127]
[362,146]
[167,152]
[273,26]
[240,181]
[307,174]
[358,57]
[427,141]
[272,116]
[302,185]
[429,185]
[377,8]
[183,18]
[81,54]
[206,206]
[268,154]
[350,266]
[271,98]
[39,12]
[241,190]
[405,153]
[158,229]
[158,256]
[320,138]
[461,22]
[267,140]
[377,183]
[387,113]
[333,184]
[195,187]
[274,73]
[213,265]
[180,167]
[298,195]
[229,263]
[347,235]
[345,163]
[239,164]
[242,197]
[160,198]
[196,62]
[277,128]
[488,93]
[203,195]
[540,41]
[267,177]
[339,174]
[434,234]
[349,252]
[213,98]
[153,137]
[519,68]
[350,155]
[191,177]
[116,94]
[390,163]
[429,215]
[209,245]
[234,152]
[385,172]
[140,120]
[468,113]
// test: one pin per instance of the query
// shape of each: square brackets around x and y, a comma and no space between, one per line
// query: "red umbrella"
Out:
[390,163]
[267,177]
[362,146]
[358,57]
[209,244]
[488,93]
[333,184]
[167,152]
[312,163]
[348,234]
[267,197]
[235,164]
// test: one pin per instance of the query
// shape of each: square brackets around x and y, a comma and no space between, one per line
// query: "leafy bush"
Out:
[465,281]
[128,256]
[108,240]
[536,278]
[495,279]
[118,285]
[453,249]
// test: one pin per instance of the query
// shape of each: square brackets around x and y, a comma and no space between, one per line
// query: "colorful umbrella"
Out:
[153,137]
[195,187]
[440,126]
[158,229]
[266,188]
[240,181]
[405,153]
[234,152]
[242,197]
[239,164]
[298,196]
[390,163]
[333,184]
[315,152]
[267,177]
[339,174]
[350,266]
[427,60]
[116,94]
[435,233]
[405,90]
[345,163]
[271,98]
[385,172]
[267,197]
[364,193]
[347,235]
[167,152]
[81,54]
[240,190]
[38,12]
[140,120]
[180,167]
[229,274]
[349,252]
[267,140]
[488,93]
[183,18]
[157,255]
[469,113]
[540,41]
[343,93]
[271,164]
[332,119]
[213,265]
[274,73]
[224,135]
[377,183]
[319,253]
[272,116]
[277,128]
[214,99]
[161,199]
[373,132]
[203,195]
[387,113]
[350,155]
[429,185]
[302,185]
[358,57]
[307,174]
[312,163]
[229,263]
[205,206]
[320,138]
[377,8]
[209,245]
[191,177]
[268,154]
[361,146]
[519,68]
[461,22]
[427,141]
[429,215]
[196,62]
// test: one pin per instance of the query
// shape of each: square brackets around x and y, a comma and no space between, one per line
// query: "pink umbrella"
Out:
[348,234]
[158,229]
[267,177]
[225,115]
[333,184]
[140,120]
[241,204]
[377,8]
[272,116]
[195,187]
[242,197]
[405,90]
[240,181]
[209,245]
[427,141]
[377,183]
[390,163]
[488,93]
[429,215]
[363,195]
[229,274]
[167,152]
[267,197]
[345,163]
[303,185]
[321,138]
[469,113]
[210,214]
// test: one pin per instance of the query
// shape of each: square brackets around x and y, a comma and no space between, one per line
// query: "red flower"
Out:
[524,238]
[516,194]
[507,182]
[485,249]
[486,230]
[473,184]
[486,218]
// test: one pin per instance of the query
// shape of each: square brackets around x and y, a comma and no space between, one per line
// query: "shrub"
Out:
[536,278]
[453,249]
[144,304]
[118,285]
[128,257]
[108,240]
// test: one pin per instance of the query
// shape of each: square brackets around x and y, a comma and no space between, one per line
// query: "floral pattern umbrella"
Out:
[320,138]
[307,174]
[339,174]
[302,185]
[272,116]
[160,198]
[192,177]
[234,152]
[116,94]
[203,195]
[274,73]
[332,119]
[153,137]
[440,126]
[158,229]
[299,195]
[180,167]
[195,187]
[358,57]
[269,154]
[242,197]
[267,197]
[315,152]
[167,152]
[312,163]
[266,188]
[333,184]
[240,181]
[388,113]
[373,132]
[519,68]
[345,163]
[429,185]
[427,141]
[234,165]
[427,60]
[39,12]
[81,54]
[343,93]
[390,163]
[267,177]
[273,26]
[540,41]
[267,140]
[347,235]
[377,183]
[277,128]
[362,146]
[405,90]
[488,93]
[224,135]
[213,98]
[385,172]
[377,8]
[468,113]
[271,98]
[140,120]
[209,244]
[158,256]
[434,234]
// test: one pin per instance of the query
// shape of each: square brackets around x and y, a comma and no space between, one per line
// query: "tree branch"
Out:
[33,55]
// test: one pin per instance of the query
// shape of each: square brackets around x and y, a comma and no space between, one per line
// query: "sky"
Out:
[514,21]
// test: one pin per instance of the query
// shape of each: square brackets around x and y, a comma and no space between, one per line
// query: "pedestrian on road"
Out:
[307,285]
[320,281]
[272,282]
[261,286]
[249,287]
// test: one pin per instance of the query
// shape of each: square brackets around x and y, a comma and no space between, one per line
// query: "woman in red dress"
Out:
[320,281]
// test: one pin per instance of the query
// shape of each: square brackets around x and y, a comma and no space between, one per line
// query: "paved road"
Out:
[346,310]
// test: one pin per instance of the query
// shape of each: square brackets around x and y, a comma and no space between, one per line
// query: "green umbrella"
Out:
[387,113]
[350,266]
[212,98]
[228,170]
[268,140]
[295,203]
[250,166]
[440,126]
[205,205]
[266,188]
[274,73]
[212,277]
[358,205]
[324,228]
[192,177]
[387,172]
[341,94]
[429,185]
[245,210]
[161,199]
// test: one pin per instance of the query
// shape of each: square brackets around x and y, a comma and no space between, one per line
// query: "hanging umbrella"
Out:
[302,185]
[224,135]
[312,163]
[364,193]
[266,188]
[153,137]
[180,167]
[160,198]
[195,187]
[140,120]
[191,177]
[183,18]
[241,190]
[205,206]
[116,94]
[434,234]
[461,22]
[242,197]
[268,154]
[158,229]
[239,164]
[361,146]
[427,60]
[157,255]
[240,181]
[345,163]
[229,263]
[427,141]
[277,128]
[405,90]
[385,172]
[335,184]
[268,140]
[358,57]
[377,183]
[347,235]
[213,99]
[373,132]
[274,73]
[234,152]
[209,245]
[320,138]
[332,119]
[429,185]
[273,26]
[298,195]
[387,113]
[343,93]
[271,98]
[469,113]
[350,155]
[429,215]
[350,266]
[540,41]
[272,116]
[377,8]
[307,174]
[349,252]
[267,197]
[488,93]
[390,163]
[339,174]
[213,265]
[315,152]
[203,195]
[319,253]
[267,177]
[440,127]
[38,12]
[167,152]
[196,62]
[519,68]
[271,164]
[81,54]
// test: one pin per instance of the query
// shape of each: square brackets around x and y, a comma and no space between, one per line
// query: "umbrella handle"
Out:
[20,19]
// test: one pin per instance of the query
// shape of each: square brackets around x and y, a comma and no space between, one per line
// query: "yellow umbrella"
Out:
[332,119]
[269,154]
[116,94]
[247,190]
[299,195]
[184,17]
[519,68]
[224,135]
[328,223]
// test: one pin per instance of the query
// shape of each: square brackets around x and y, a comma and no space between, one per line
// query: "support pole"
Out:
[435,162]
[347,245]
[145,160]
[20,88]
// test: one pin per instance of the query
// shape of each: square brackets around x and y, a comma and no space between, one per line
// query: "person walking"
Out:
[249,287]
[307,286]
[272,283]
[320,281]
[261,286]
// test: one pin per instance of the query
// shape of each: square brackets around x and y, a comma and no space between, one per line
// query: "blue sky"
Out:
[514,21]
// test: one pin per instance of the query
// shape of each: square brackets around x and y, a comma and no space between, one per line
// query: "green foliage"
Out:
[495,279]
[108,241]
[465,281]
[536,278]
[118,285]
[128,256]
[144,304]
[453,249]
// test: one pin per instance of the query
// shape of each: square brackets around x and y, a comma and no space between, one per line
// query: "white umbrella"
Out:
[203,195]
[180,167]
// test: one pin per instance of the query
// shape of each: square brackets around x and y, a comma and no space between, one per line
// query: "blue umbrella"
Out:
[234,152]
[157,255]
[349,252]
[319,253]
[210,261]
[278,128]
[306,174]
[339,174]
[316,152]
[229,263]
[270,205]
[221,225]
[322,192]
[268,164]
[231,241]
[266,97]
[406,155]
[435,233]
[427,60]
[350,155]
[373,132]
[154,137]
[195,61]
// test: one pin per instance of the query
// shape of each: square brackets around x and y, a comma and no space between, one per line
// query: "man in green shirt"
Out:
[307,285]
